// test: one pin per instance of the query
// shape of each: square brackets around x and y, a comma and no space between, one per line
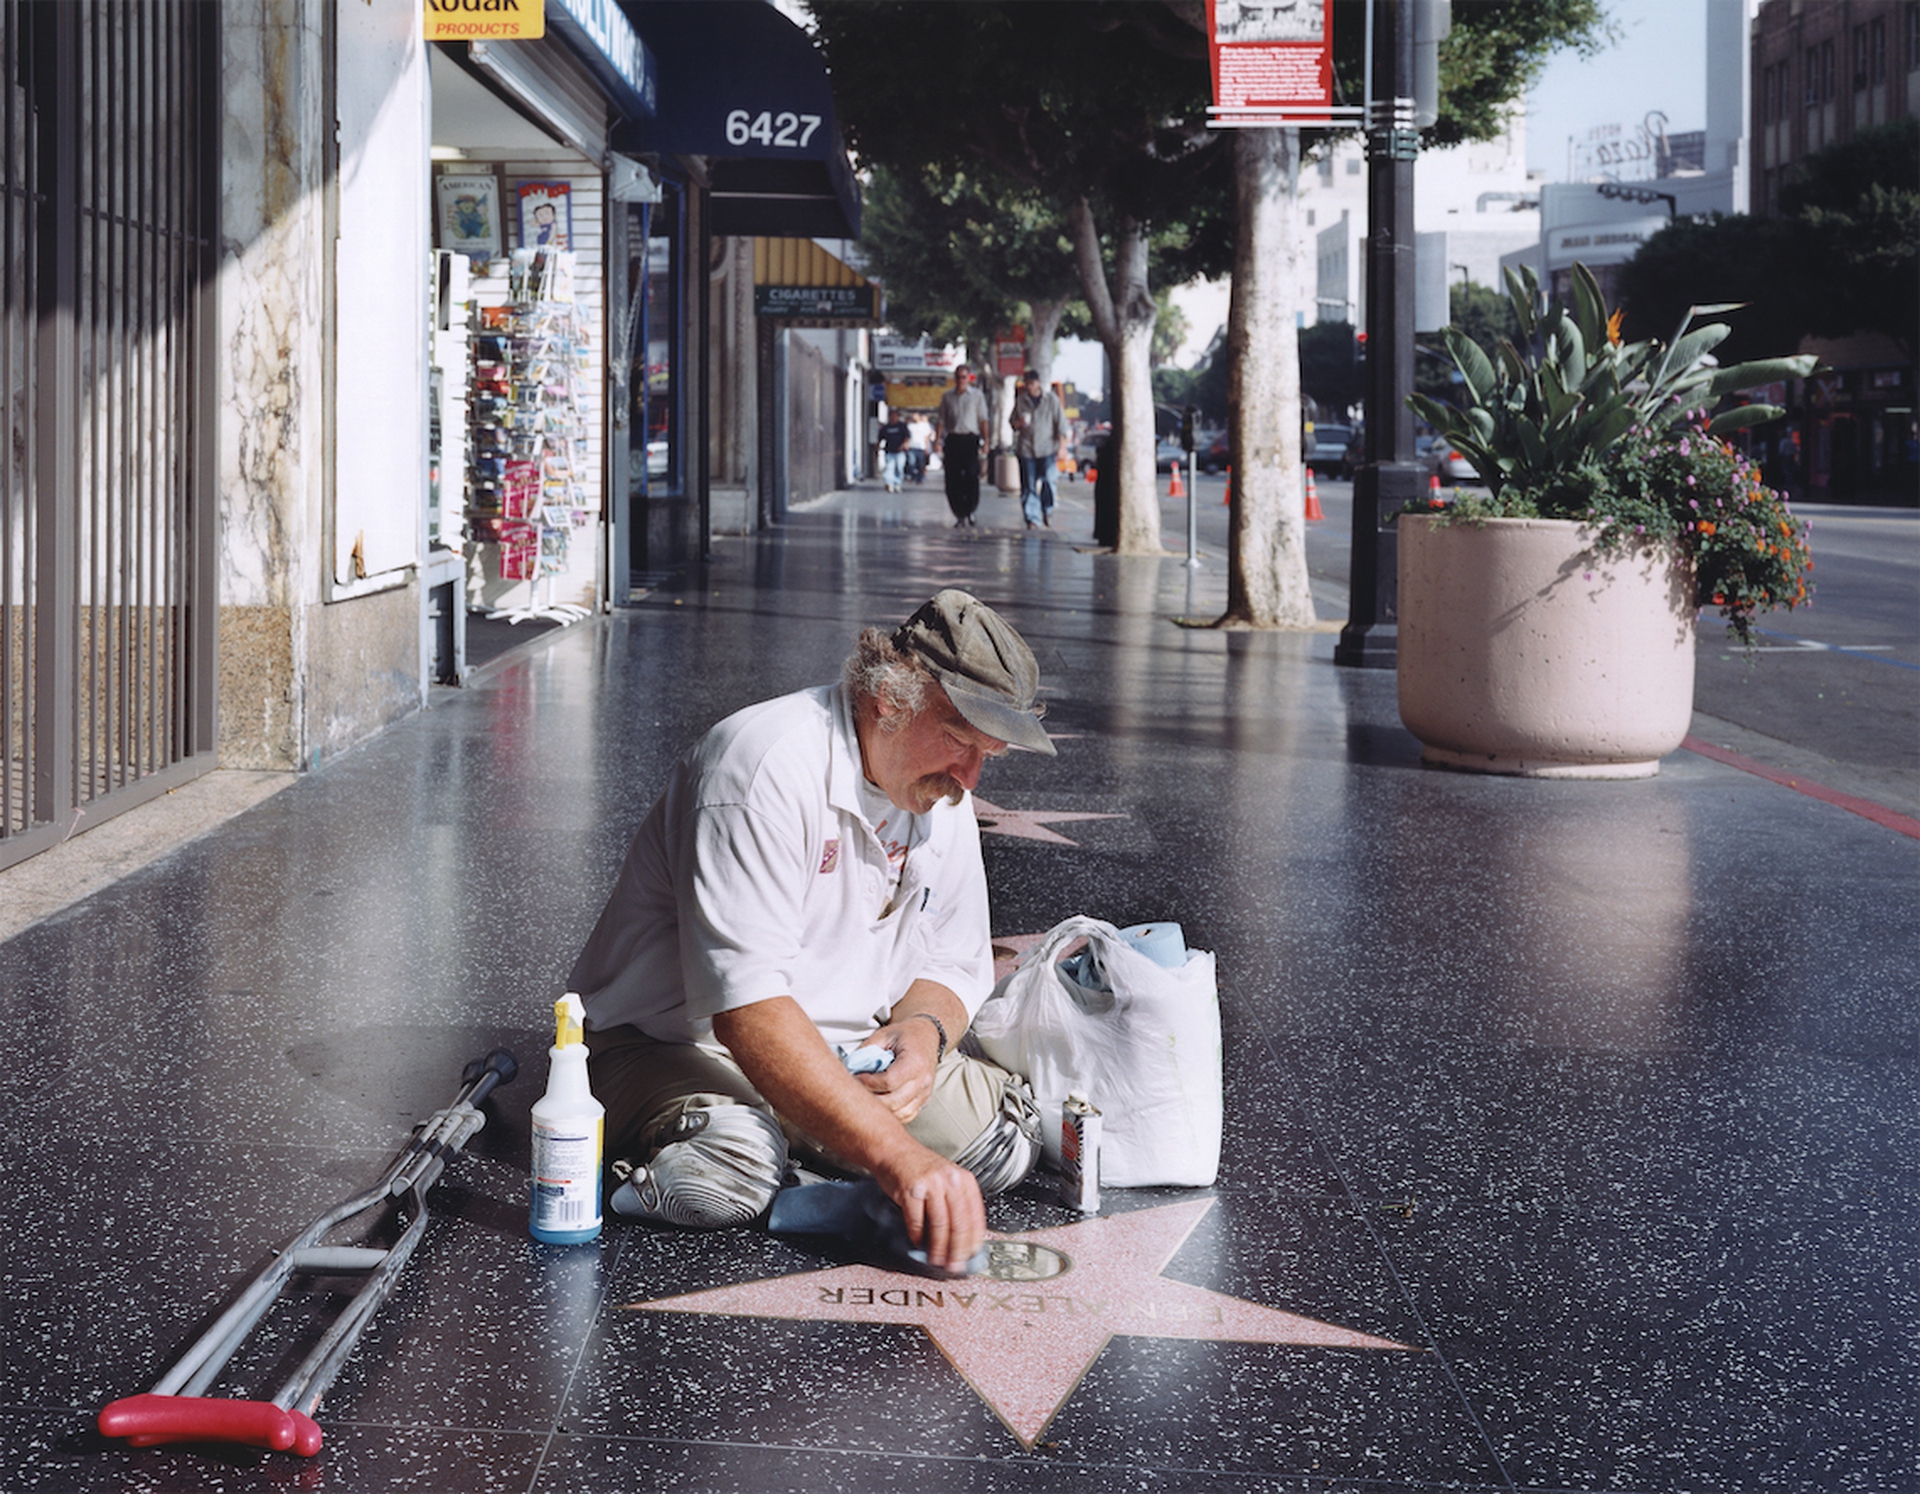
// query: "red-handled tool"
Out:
[175,1410]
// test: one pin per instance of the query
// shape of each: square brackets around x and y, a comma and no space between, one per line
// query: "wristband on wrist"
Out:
[939,1027]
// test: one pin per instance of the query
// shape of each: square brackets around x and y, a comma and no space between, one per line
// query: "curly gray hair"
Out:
[878,674]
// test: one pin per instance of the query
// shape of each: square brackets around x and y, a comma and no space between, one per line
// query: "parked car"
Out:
[1084,452]
[1452,468]
[1168,454]
[1326,449]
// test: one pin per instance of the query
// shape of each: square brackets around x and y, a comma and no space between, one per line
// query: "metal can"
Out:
[1080,1155]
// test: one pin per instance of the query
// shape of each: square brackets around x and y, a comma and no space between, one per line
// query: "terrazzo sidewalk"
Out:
[1573,1132]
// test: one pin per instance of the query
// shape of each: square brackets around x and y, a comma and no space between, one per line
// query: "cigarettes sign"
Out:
[1272,60]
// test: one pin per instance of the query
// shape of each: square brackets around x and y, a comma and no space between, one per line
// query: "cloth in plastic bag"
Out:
[1145,1050]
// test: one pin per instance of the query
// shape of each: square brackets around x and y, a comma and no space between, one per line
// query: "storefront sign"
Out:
[1600,243]
[1271,57]
[890,351]
[815,300]
[486,20]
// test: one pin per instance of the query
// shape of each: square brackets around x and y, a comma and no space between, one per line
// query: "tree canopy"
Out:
[1843,257]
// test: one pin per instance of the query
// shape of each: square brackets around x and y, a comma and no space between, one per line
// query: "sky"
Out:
[1659,63]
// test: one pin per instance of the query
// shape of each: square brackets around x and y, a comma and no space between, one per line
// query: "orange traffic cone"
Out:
[1093,473]
[1226,495]
[1175,487]
[1314,510]
[1433,483]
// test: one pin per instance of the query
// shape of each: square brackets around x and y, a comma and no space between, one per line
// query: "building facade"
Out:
[325,334]
[1822,72]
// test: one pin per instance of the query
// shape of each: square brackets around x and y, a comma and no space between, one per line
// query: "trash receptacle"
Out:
[1106,491]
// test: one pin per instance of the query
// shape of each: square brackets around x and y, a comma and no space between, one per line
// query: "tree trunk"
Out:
[1041,334]
[1267,585]
[1123,315]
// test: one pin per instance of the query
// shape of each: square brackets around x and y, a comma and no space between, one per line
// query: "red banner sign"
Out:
[1272,60]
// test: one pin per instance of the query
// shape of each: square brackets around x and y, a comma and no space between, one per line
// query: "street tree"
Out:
[1496,49]
[1842,257]
[1083,104]
[961,259]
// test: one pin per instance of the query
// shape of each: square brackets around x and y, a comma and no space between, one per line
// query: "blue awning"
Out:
[741,85]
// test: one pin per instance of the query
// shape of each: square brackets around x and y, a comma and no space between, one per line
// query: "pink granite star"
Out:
[1024,1336]
[1029,824]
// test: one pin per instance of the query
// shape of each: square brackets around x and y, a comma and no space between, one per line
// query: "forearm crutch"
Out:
[177,1410]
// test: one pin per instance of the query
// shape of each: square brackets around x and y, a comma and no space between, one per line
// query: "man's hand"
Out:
[906,1084]
[945,1214]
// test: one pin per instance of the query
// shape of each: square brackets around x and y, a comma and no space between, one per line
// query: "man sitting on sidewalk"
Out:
[811,880]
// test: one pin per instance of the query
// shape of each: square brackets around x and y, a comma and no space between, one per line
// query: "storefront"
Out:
[745,144]
[529,205]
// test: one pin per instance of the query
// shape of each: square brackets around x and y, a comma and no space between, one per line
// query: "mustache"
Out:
[942,786]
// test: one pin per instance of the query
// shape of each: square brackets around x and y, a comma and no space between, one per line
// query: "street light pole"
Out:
[1389,480]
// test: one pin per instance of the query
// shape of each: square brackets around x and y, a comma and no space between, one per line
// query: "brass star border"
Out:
[1024,1337]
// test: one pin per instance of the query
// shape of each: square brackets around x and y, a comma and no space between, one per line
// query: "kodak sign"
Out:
[485,20]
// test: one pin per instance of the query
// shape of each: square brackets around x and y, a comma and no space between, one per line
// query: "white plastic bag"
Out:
[1147,1053]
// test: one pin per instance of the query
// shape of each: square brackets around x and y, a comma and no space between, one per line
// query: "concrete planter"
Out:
[1523,651]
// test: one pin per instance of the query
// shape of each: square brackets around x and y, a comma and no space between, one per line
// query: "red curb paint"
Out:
[1886,818]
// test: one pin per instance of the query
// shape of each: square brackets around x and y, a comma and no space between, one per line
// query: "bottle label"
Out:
[566,1176]
[1080,1156]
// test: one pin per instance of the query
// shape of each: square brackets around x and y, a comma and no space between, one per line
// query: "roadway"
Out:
[1831,692]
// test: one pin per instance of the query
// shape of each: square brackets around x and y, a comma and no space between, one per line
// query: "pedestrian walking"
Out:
[1040,429]
[919,437]
[961,427]
[893,451]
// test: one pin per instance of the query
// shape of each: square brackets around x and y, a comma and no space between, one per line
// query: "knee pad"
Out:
[1002,1156]
[714,1165]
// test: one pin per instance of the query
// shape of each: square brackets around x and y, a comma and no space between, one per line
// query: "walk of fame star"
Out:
[1029,824]
[1024,1336]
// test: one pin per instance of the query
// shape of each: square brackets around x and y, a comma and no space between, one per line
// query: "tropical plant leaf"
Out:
[1760,371]
[1471,359]
[1685,354]
[1742,416]
[1523,290]
[1589,306]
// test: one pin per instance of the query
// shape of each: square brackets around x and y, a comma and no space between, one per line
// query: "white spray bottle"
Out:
[568,1128]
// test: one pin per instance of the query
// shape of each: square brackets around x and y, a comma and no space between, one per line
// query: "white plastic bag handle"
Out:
[1057,938]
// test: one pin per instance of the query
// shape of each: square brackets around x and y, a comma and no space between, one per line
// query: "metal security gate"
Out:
[107,258]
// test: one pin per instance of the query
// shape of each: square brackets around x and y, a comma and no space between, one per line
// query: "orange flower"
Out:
[1613,327]
[1705,527]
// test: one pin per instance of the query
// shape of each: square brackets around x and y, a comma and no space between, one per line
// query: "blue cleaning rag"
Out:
[862,1215]
[866,1059]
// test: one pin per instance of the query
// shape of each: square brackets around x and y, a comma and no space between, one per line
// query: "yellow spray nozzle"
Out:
[569,1019]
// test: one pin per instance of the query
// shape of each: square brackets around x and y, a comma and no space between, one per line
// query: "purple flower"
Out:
[1693,503]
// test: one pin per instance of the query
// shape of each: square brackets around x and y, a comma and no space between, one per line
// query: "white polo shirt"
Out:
[769,867]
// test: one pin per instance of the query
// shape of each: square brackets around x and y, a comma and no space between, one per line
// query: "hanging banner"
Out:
[1272,61]
[1010,352]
